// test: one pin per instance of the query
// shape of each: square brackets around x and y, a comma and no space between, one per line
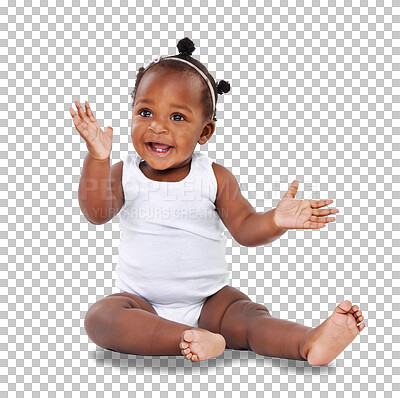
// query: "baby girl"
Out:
[173,204]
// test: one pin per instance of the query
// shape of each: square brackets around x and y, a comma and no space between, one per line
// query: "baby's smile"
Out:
[158,149]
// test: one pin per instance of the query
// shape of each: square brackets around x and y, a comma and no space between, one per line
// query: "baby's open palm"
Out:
[99,142]
[293,213]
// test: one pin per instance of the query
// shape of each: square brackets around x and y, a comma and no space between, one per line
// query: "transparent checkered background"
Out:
[315,97]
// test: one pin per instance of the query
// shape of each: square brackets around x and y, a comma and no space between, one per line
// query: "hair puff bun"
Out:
[223,87]
[185,46]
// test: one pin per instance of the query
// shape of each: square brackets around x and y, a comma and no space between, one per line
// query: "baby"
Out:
[173,204]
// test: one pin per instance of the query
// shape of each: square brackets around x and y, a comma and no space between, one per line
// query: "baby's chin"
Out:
[156,164]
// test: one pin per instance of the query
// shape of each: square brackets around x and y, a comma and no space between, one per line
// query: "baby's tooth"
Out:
[159,149]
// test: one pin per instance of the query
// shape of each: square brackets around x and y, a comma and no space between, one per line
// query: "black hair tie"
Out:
[223,87]
[186,46]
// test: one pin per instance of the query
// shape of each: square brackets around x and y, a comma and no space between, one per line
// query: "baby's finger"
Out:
[79,108]
[89,112]
[324,212]
[82,113]
[75,117]
[79,124]
[315,204]
[323,219]
[72,112]
[313,225]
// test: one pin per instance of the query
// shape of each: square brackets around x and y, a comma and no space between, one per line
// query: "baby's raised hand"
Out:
[293,213]
[98,142]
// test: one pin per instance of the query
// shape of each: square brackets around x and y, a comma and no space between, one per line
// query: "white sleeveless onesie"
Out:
[172,248]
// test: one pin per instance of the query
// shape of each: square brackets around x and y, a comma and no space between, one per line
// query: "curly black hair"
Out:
[186,48]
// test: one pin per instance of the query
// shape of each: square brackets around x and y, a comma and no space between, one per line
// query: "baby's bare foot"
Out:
[201,344]
[330,338]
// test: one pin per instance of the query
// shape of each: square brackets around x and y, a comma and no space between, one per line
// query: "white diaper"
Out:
[188,315]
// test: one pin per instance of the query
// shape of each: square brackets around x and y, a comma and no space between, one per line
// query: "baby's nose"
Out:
[158,127]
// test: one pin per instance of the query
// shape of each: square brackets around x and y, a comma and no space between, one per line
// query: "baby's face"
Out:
[168,110]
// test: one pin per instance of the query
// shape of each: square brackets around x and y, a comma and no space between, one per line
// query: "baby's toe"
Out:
[355,308]
[183,345]
[361,326]
[187,335]
[357,315]
[344,307]
[184,352]
[194,358]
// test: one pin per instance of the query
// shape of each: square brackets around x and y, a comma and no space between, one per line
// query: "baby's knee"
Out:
[238,319]
[100,320]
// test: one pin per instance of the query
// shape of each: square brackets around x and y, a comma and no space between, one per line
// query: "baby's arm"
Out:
[246,226]
[100,188]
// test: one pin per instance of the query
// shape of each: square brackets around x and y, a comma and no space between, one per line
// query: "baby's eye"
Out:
[144,110]
[177,114]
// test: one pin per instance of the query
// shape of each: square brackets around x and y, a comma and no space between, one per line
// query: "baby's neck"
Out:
[168,175]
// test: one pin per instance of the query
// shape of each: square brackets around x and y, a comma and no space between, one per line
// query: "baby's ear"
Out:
[208,131]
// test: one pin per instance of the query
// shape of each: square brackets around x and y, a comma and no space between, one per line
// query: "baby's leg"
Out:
[126,323]
[248,325]
[319,346]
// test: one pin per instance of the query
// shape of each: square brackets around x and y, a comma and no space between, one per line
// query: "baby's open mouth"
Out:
[158,148]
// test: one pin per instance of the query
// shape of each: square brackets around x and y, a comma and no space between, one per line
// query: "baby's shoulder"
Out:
[116,169]
[219,170]
[225,179]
